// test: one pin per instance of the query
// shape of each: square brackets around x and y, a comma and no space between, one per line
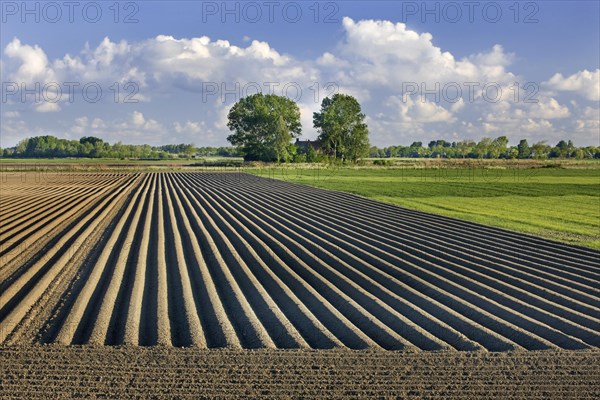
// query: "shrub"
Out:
[383,163]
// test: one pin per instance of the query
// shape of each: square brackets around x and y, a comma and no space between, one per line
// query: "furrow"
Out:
[73,320]
[162,314]
[192,319]
[109,305]
[216,322]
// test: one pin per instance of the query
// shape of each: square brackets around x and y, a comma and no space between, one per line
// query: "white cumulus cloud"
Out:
[373,61]
[586,83]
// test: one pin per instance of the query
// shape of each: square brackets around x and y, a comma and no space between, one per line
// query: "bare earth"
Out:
[105,276]
[52,372]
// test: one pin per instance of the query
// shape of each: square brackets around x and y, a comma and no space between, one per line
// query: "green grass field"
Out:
[554,203]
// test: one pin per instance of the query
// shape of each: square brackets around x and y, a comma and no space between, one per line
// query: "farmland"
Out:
[232,260]
[161,373]
[209,260]
[559,203]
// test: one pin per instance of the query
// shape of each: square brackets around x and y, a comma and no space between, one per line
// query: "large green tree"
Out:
[524,149]
[465,147]
[540,150]
[263,127]
[498,147]
[482,149]
[341,127]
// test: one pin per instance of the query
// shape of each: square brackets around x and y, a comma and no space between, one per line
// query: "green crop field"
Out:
[556,203]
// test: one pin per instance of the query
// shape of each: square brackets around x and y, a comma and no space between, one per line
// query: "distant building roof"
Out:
[315,144]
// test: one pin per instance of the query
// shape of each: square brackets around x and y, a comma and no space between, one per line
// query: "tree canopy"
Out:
[88,146]
[264,126]
[342,130]
[523,149]
[487,148]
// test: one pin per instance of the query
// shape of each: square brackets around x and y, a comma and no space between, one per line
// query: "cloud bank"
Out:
[182,88]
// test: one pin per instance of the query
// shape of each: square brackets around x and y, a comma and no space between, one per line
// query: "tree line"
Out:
[264,126]
[93,147]
[489,148]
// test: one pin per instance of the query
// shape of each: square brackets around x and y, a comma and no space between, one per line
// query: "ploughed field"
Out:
[159,372]
[214,260]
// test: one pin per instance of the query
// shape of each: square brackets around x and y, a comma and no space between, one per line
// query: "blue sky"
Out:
[174,53]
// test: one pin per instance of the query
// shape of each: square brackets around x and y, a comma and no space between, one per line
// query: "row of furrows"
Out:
[420,237]
[17,195]
[472,239]
[52,211]
[34,243]
[228,317]
[353,315]
[29,229]
[231,260]
[412,232]
[429,251]
[310,273]
[25,286]
[303,204]
[14,188]
[26,204]
[498,238]
[187,294]
[283,215]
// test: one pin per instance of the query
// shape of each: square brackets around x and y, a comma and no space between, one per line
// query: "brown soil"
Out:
[229,260]
[51,372]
